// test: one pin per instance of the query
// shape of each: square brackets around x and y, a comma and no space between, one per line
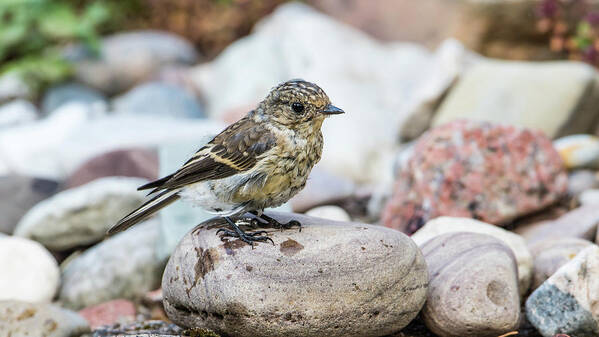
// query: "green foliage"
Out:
[32,30]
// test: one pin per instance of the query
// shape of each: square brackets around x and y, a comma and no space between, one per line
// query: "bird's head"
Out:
[297,104]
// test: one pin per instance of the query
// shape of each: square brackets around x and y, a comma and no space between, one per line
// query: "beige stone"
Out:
[557,97]
[473,288]
[549,255]
[330,279]
[446,224]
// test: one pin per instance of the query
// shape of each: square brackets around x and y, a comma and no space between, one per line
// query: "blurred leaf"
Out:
[59,22]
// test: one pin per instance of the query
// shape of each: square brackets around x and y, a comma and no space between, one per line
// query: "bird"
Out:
[260,161]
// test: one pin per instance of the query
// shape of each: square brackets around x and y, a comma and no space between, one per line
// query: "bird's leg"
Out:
[275,223]
[248,238]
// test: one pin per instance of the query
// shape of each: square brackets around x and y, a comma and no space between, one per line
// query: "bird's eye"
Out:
[297,107]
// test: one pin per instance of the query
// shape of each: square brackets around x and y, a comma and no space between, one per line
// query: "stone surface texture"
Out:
[20,319]
[442,225]
[558,98]
[122,267]
[330,279]
[473,288]
[81,215]
[567,301]
[479,170]
[550,254]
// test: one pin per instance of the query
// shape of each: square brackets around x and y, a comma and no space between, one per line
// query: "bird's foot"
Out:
[248,238]
[274,223]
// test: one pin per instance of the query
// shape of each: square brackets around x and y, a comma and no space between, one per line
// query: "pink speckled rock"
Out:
[485,171]
[108,313]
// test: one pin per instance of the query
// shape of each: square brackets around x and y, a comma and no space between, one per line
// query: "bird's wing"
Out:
[234,150]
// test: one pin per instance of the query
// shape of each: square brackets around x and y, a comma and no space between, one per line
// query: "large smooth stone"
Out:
[549,255]
[124,266]
[330,279]
[579,223]
[558,98]
[20,319]
[491,172]
[567,301]
[28,271]
[70,92]
[445,224]
[473,289]
[81,215]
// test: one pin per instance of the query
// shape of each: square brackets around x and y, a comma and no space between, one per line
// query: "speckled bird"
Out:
[260,161]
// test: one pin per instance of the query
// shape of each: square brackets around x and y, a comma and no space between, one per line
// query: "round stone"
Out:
[473,287]
[329,279]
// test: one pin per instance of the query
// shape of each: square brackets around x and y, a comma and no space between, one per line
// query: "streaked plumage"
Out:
[260,161]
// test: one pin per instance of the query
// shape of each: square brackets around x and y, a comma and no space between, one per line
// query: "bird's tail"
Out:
[144,211]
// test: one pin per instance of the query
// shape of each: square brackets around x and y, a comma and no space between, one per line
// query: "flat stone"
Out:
[146,329]
[567,301]
[579,223]
[473,287]
[550,254]
[330,279]
[81,215]
[29,272]
[56,146]
[442,225]
[558,97]
[122,267]
[18,195]
[20,319]
[139,162]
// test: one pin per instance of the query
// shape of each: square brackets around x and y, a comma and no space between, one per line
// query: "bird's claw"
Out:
[248,238]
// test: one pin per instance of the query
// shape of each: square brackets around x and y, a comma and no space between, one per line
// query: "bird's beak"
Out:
[332,110]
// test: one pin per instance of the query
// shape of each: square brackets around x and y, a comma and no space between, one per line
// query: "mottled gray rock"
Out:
[445,224]
[81,215]
[473,288]
[579,223]
[145,329]
[29,272]
[159,99]
[124,266]
[567,301]
[58,95]
[330,279]
[17,112]
[550,254]
[20,319]
[129,58]
[18,195]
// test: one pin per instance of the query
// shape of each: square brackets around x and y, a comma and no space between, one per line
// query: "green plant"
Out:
[32,32]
